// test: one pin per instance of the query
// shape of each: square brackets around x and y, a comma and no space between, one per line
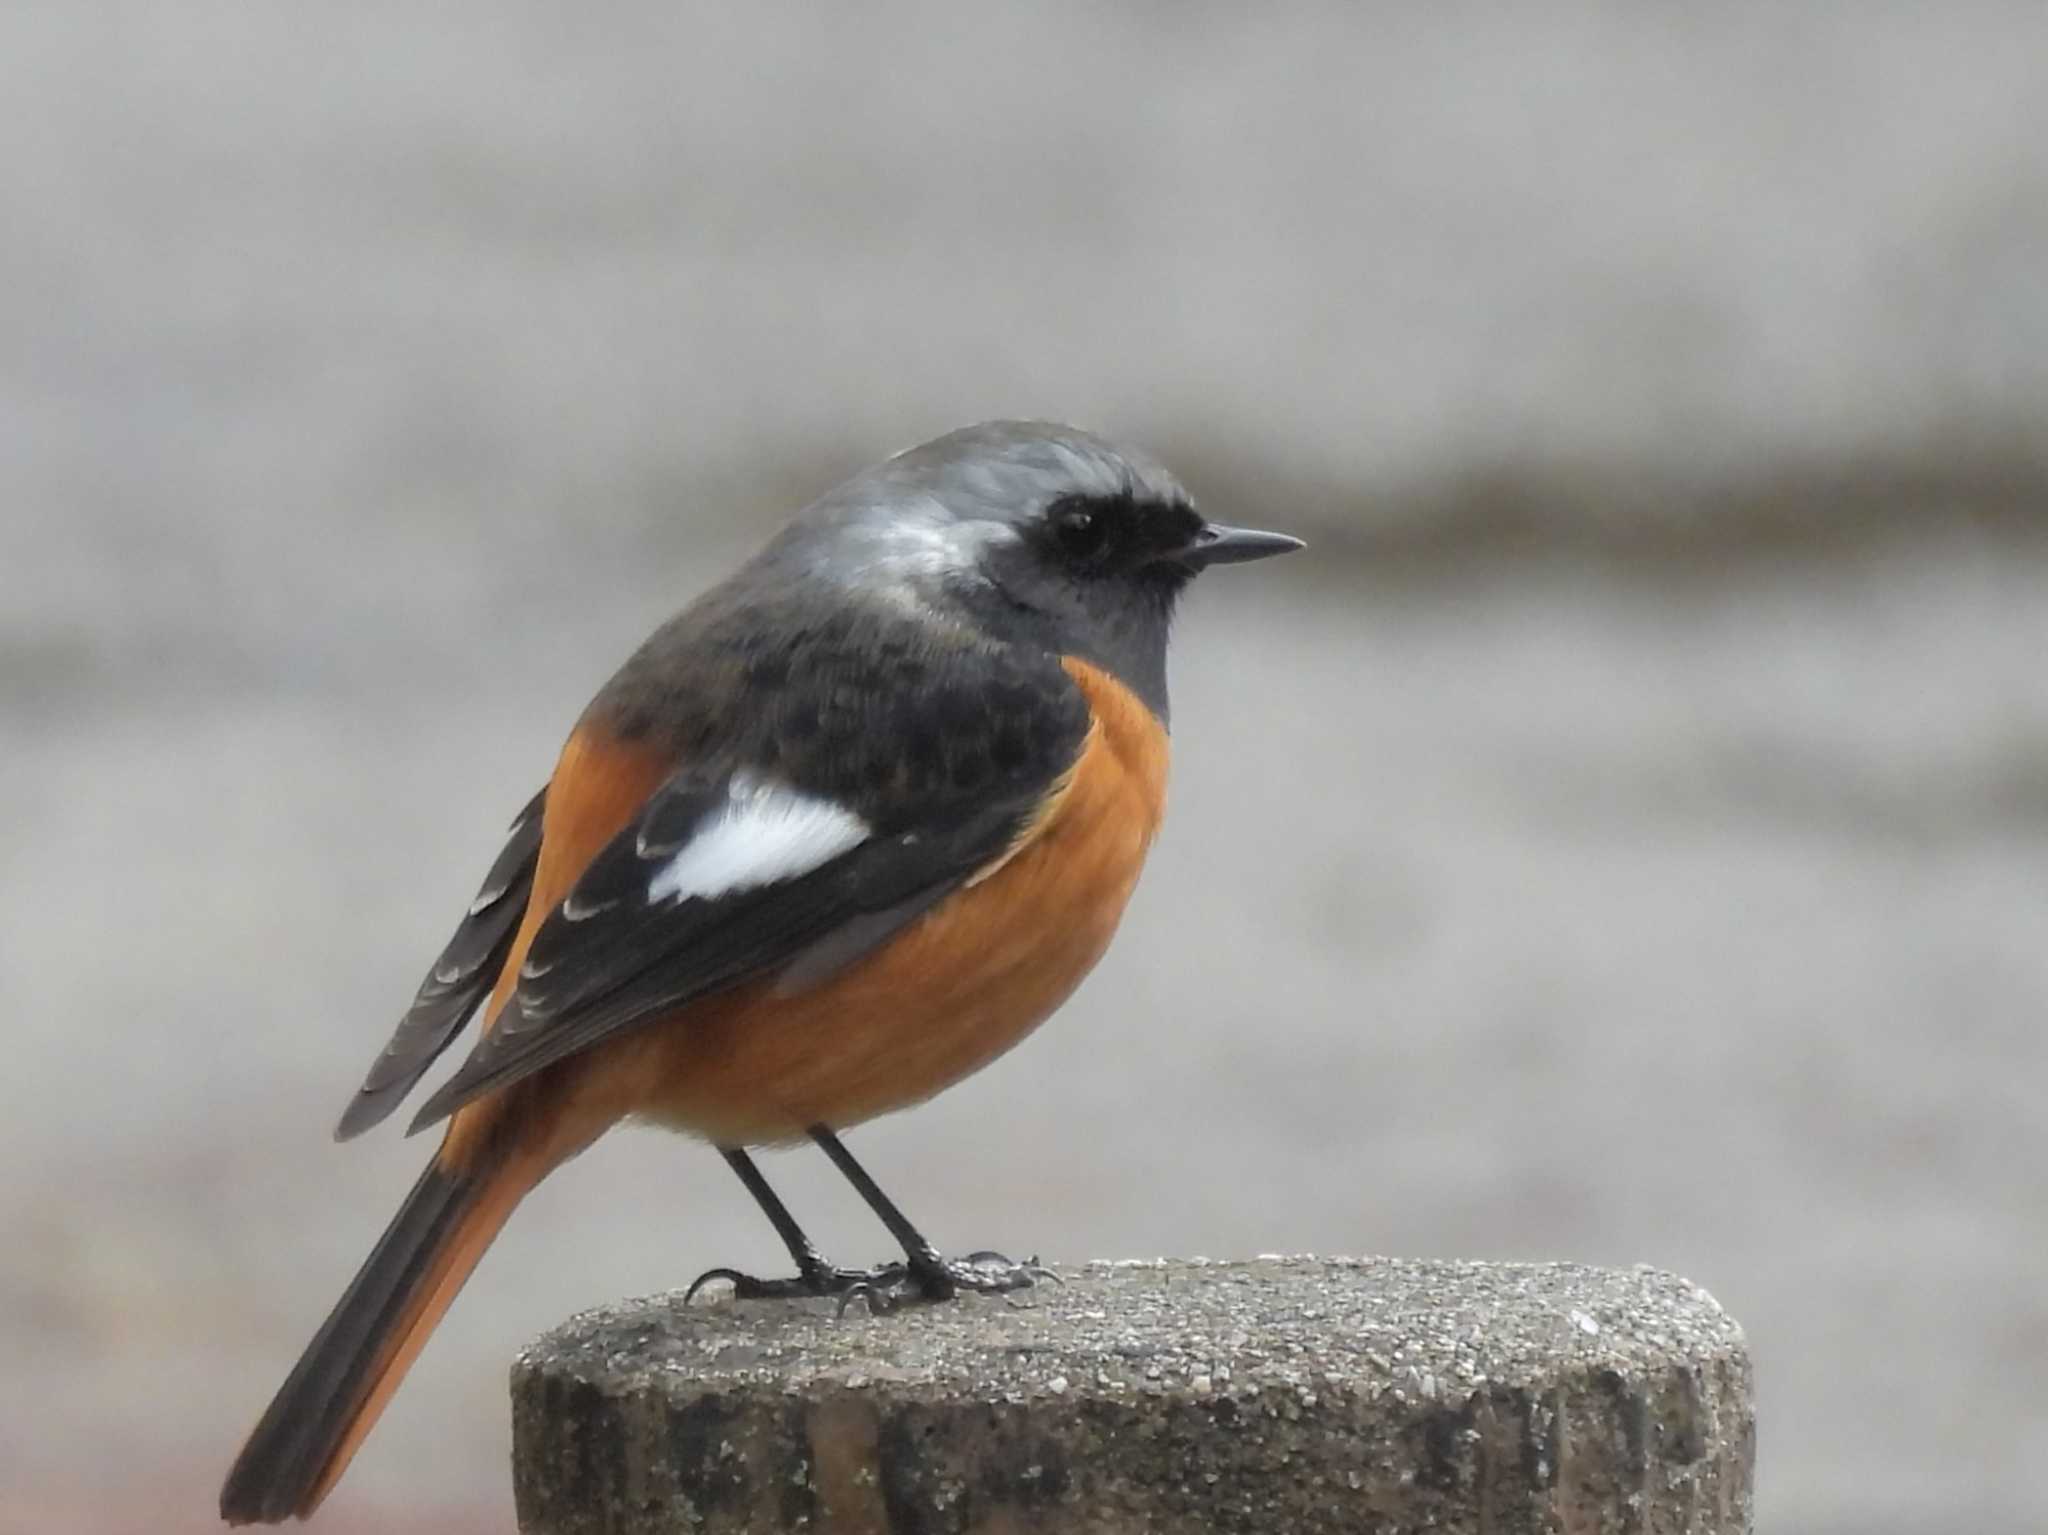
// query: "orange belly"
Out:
[956,989]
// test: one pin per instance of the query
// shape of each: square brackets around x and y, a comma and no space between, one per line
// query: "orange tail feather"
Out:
[333,1396]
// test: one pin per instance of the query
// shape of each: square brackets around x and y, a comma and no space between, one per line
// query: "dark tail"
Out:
[362,1351]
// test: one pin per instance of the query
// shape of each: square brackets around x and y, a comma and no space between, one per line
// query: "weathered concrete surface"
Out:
[1283,1395]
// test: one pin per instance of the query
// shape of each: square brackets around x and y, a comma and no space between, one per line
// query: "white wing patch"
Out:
[764,834]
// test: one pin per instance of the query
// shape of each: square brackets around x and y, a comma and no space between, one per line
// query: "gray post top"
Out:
[1283,1394]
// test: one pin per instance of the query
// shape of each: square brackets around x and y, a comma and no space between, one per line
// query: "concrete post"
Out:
[1283,1396]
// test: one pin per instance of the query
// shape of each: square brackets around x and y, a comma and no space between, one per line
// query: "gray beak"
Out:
[1218,545]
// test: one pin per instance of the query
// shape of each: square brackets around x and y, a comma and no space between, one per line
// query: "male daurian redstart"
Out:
[844,830]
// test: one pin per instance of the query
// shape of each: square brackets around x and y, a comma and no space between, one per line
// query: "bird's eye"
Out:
[1081,530]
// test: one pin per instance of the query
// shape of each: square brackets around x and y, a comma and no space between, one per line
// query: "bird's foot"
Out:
[929,1277]
[813,1282]
[887,1287]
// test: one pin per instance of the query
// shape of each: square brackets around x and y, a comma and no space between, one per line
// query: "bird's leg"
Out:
[814,1276]
[931,1276]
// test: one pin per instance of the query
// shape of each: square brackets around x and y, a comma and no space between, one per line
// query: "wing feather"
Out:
[662,955]
[761,869]
[459,979]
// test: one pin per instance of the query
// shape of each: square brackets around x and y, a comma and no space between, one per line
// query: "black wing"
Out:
[616,953]
[459,980]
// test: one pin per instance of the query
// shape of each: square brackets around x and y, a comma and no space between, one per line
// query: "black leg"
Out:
[913,1242]
[814,1276]
[934,1277]
[800,1246]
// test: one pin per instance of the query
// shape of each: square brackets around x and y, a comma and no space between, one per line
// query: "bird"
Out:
[842,831]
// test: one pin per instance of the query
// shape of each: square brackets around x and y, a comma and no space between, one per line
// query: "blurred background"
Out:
[1621,839]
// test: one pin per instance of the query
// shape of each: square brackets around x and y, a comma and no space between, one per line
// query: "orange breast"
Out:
[959,987]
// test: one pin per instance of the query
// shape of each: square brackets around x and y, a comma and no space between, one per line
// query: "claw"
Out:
[987,1258]
[732,1276]
[879,1301]
[984,1272]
